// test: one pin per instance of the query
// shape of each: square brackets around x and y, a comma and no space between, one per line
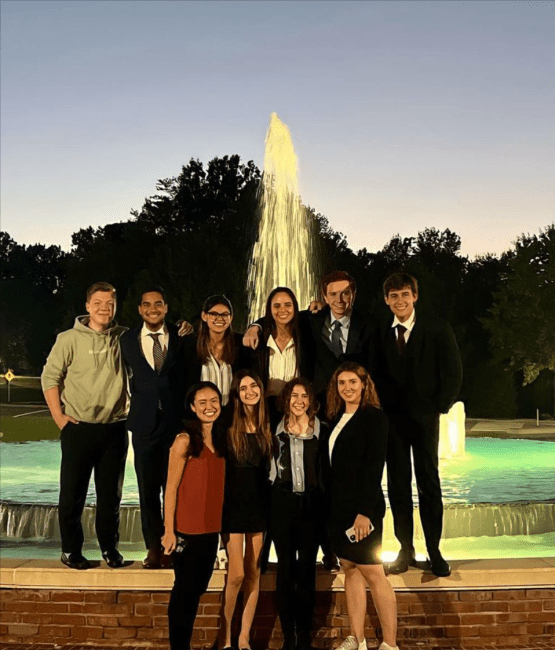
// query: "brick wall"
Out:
[138,618]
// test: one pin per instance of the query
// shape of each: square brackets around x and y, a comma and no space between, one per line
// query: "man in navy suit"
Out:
[418,374]
[153,356]
[339,332]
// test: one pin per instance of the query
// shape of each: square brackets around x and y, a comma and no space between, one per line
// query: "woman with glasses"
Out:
[352,466]
[193,508]
[245,502]
[216,352]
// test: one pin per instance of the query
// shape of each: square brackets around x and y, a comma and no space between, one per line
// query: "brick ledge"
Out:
[467,574]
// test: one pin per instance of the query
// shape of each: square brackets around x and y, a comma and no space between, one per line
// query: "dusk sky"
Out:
[404,114]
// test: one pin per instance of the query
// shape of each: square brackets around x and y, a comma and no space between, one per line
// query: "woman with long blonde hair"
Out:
[245,512]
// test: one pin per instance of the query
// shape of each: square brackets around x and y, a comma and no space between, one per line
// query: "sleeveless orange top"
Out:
[200,495]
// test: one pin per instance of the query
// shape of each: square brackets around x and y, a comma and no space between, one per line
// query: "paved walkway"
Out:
[541,645]
[520,428]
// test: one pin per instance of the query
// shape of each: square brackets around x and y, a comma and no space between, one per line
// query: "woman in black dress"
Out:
[353,468]
[245,502]
[296,510]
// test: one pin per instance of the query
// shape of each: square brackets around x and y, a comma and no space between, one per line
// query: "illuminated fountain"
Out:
[499,490]
[282,255]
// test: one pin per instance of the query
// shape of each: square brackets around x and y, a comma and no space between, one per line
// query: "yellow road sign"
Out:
[9,375]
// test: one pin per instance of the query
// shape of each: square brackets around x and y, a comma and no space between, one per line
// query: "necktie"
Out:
[157,352]
[336,346]
[401,343]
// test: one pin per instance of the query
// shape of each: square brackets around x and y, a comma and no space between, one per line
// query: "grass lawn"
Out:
[19,423]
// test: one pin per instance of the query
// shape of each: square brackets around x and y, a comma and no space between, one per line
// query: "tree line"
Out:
[194,237]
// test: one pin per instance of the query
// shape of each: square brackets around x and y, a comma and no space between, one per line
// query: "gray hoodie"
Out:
[87,368]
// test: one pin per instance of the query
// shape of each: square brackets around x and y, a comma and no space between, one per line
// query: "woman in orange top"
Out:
[193,508]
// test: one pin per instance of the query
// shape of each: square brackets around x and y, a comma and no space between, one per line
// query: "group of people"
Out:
[280,434]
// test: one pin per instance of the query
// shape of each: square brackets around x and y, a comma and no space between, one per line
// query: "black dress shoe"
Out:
[405,559]
[75,561]
[439,566]
[113,558]
[153,559]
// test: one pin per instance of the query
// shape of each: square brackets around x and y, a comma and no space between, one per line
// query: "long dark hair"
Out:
[237,433]
[203,350]
[285,400]
[269,324]
[193,426]
[369,395]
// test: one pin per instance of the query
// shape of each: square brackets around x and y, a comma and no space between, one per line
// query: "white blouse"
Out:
[337,430]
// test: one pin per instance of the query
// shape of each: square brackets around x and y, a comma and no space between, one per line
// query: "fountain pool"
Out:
[499,501]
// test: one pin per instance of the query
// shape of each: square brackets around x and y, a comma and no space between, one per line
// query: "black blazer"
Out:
[244,359]
[427,378]
[150,389]
[352,481]
[324,362]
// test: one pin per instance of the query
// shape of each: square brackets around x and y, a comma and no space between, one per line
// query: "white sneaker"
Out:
[385,646]
[350,643]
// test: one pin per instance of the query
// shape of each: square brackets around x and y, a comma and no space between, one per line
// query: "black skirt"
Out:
[367,551]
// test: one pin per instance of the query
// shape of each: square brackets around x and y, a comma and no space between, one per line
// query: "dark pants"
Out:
[193,568]
[421,435]
[87,447]
[295,527]
[151,467]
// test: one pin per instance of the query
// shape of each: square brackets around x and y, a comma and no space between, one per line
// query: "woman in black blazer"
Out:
[216,353]
[352,468]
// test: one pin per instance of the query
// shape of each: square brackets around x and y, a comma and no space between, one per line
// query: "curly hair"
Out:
[369,396]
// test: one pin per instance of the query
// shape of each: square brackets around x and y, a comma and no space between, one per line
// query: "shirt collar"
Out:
[146,332]
[315,432]
[344,320]
[408,324]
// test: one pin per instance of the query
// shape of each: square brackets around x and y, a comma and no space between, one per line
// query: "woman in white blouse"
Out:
[283,346]
[216,353]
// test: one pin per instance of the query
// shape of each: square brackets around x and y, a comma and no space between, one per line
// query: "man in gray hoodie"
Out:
[85,387]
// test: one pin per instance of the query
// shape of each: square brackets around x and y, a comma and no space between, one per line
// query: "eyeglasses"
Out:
[216,315]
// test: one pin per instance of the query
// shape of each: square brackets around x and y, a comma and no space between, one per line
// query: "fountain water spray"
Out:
[283,254]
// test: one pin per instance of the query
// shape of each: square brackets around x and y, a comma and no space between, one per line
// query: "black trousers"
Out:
[193,566]
[295,524]
[151,467]
[101,448]
[421,435]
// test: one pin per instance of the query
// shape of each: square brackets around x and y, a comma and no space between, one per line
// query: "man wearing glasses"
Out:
[153,355]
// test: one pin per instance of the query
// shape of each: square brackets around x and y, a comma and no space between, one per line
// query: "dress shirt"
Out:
[408,324]
[344,331]
[337,430]
[219,374]
[296,452]
[282,366]
[147,342]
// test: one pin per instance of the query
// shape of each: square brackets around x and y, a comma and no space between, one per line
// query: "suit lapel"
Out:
[353,337]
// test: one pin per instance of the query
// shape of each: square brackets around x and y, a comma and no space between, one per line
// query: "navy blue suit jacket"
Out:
[151,390]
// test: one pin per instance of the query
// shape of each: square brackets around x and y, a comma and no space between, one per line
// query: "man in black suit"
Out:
[153,356]
[418,375]
[339,332]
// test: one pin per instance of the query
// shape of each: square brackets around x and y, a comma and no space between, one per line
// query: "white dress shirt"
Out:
[344,331]
[282,366]
[147,342]
[219,374]
[337,430]
[409,324]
